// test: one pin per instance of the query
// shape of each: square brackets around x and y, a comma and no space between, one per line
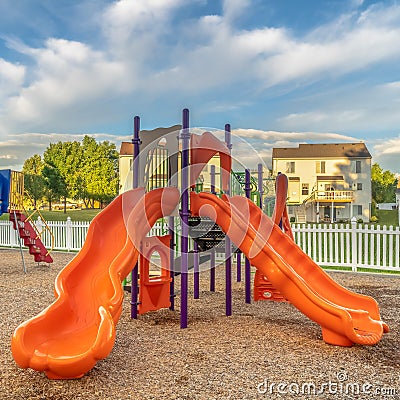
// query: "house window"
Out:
[320,167]
[357,210]
[305,187]
[358,167]
[359,186]
[290,167]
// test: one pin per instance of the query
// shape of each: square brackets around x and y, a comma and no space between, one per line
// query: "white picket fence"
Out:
[353,245]
[68,235]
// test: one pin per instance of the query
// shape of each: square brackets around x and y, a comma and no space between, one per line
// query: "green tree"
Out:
[383,185]
[100,171]
[85,171]
[34,182]
[55,184]
[67,159]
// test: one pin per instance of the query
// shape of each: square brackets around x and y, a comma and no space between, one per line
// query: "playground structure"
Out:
[68,337]
[12,201]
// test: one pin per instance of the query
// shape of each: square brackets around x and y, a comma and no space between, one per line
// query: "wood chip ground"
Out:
[245,356]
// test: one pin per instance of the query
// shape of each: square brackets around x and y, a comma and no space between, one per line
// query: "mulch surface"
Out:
[265,350]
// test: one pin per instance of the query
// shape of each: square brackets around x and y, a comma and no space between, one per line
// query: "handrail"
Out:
[334,194]
[29,217]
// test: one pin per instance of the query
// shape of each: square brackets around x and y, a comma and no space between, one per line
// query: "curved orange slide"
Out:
[345,317]
[68,337]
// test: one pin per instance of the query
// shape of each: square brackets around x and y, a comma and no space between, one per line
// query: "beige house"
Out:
[327,182]
[125,165]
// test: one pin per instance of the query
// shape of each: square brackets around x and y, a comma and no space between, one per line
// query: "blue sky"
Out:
[281,72]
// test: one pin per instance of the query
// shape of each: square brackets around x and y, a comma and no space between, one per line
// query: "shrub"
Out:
[374,218]
[292,219]
[360,221]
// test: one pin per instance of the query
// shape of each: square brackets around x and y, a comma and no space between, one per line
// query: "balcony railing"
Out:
[346,196]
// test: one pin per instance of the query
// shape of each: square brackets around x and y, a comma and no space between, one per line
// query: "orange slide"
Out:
[345,317]
[67,338]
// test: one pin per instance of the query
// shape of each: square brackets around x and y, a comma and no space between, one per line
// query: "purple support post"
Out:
[171,231]
[238,266]
[247,270]
[228,246]
[260,184]
[185,137]
[135,273]
[280,222]
[212,259]
[196,277]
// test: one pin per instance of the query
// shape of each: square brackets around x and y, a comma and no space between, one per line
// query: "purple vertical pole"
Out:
[212,259]
[280,222]
[247,270]
[228,247]
[185,137]
[135,273]
[171,231]
[196,277]
[260,184]
[238,266]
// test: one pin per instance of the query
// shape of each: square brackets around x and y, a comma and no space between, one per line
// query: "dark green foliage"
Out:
[85,171]
[34,182]
[383,185]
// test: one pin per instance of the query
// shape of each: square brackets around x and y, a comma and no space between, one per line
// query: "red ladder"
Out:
[31,237]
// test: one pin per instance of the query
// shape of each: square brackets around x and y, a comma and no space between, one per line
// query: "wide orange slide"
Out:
[67,338]
[345,317]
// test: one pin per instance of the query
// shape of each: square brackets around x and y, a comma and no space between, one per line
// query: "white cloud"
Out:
[66,74]
[11,78]
[361,108]
[145,55]
[296,137]
[388,147]
[16,148]
[233,9]
[386,152]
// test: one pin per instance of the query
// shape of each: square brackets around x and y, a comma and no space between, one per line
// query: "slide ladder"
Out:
[31,236]
[28,231]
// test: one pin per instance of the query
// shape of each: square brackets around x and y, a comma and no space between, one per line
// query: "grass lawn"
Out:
[76,215]
[387,217]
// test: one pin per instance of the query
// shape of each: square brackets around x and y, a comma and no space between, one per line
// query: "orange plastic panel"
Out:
[68,337]
[280,209]
[345,317]
[154,292]
[264,290]
[202,149]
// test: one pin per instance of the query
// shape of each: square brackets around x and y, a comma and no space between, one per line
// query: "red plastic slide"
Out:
[345,317]
[67,338]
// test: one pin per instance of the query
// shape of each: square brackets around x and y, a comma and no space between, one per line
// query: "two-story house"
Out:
[327,182]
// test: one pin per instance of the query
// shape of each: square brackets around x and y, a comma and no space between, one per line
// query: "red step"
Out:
[30,238]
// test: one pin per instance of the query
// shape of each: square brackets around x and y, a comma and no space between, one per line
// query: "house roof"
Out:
[325,150]
[126,149]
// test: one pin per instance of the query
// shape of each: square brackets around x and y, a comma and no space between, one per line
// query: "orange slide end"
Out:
[68,337]
[345,317]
